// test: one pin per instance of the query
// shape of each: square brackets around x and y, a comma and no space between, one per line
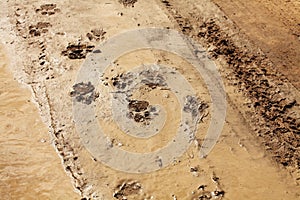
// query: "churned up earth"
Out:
[87,113]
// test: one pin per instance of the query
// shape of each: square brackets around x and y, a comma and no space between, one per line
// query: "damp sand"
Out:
[29,165]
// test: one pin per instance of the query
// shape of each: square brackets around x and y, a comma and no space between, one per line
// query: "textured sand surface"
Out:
[257,155]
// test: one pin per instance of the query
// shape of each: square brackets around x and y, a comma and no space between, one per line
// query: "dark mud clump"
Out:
[96,34]
[140,111]
[47,9]
[77,51]
[130,188]
[122,81]
[138,106]
[128,3]
[39,28]
[84,93]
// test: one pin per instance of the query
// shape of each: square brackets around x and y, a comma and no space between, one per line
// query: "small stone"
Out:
[120,144]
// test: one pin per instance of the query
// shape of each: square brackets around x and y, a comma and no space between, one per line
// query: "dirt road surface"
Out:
[255,47]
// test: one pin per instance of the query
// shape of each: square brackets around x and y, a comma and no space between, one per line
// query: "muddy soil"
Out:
[274,109]
[258,153]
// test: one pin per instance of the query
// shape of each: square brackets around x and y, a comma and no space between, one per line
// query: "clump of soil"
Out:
[47,9]
[138,106]
[96,34]
[77,51]
[128,3]
[121,81]
[84,93]
[39,28]
[128,188]
[140,111]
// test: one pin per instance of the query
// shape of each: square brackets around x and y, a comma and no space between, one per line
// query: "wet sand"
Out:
[239,167]
[29,166]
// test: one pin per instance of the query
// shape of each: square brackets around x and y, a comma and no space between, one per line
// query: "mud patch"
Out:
[128,3]
[121,81]
[84,93]
[205,193]
[77,51]
[47,9]
[128,189]
[141,111]
[96,34]
[138,106]
[39,28]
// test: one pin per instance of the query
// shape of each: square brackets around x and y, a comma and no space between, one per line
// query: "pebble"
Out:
[43,141]
[120,144]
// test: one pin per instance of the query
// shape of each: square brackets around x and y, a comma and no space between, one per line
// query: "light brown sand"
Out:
[29,166]
[244,170]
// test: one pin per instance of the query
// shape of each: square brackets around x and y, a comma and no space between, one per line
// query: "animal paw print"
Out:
[77,51]
[128,3]
[47,9]
[39,28]
[96,34]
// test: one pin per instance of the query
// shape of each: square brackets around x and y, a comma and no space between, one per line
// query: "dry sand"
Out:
[251,159]
[30,167]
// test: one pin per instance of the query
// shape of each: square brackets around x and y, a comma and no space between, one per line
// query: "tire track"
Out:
[273,112]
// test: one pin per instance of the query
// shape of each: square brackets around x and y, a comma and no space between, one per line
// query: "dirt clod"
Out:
[77,51]
[47,9]
[39,28]
[128,3]
[127,188]
[138,106]
[96,34]
[84,92]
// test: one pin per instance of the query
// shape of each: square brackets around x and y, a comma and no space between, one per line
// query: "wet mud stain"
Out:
[96,34]
[77,51]
[84,93]
[47,9]
[39,28]
[128,3]
[121,81]
[128,190]
[141,111]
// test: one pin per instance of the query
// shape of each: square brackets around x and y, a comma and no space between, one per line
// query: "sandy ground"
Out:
[274,28]
[30,168]
[257,155]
